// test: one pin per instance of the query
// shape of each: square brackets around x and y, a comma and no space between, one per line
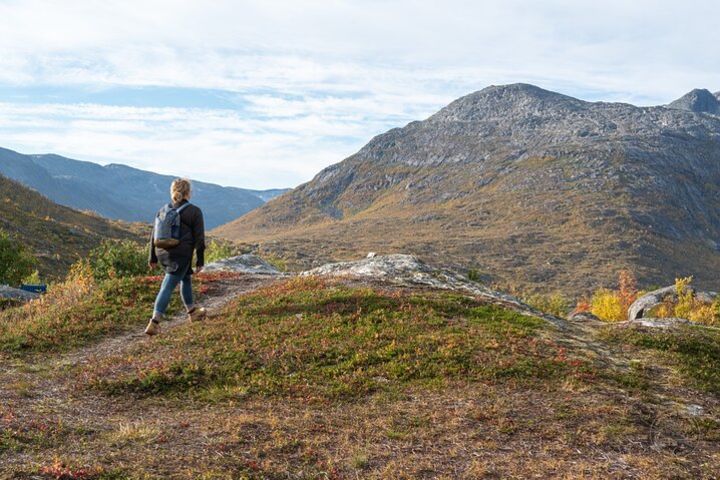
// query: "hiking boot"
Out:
[196,314]
[153,327]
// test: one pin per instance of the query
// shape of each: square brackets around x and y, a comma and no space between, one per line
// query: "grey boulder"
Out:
[245,263]
[16,294]
[644,304]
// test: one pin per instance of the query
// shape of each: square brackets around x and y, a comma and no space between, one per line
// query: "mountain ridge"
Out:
[119,191]
[55,234]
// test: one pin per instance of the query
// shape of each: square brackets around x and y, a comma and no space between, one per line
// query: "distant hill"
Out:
[532,188]
[56,235]
[122,192]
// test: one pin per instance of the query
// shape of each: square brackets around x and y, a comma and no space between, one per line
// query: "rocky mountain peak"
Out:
[516,98]
[698,101]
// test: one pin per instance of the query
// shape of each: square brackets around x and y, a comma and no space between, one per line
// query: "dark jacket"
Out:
[192,238]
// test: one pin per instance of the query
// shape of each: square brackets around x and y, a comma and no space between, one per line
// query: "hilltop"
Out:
[121,192]
[532,188]
[55,234]
[382,368]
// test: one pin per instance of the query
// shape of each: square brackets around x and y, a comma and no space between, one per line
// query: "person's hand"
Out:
[152,265]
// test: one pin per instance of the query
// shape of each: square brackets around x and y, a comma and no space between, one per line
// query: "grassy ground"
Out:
[305,378]
[304,339]
[76,313]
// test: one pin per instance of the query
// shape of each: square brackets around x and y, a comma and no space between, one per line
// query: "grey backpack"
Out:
[166,234]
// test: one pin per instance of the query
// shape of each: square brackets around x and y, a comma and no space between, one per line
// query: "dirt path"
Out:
[222,292]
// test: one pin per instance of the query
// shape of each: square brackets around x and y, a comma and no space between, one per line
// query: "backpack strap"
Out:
[182,207]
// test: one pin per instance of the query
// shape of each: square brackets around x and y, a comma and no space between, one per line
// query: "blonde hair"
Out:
[180,190]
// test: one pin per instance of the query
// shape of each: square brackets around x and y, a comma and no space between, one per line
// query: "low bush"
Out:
[612,305]
[554,304]
[607,305]
[117,258]
[220,249]
[16,262]
[688,306]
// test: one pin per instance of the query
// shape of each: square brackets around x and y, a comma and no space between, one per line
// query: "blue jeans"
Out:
[169,283]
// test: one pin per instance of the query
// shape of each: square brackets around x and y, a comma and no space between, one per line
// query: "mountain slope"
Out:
[534,188]
[119,191]
[57,235]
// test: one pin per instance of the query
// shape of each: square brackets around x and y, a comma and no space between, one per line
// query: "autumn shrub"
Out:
[220,249]
[117,258]
[627,289]
[688,306]
[612,305]
[583,306]
[554,304]
[607,305]
[16,262]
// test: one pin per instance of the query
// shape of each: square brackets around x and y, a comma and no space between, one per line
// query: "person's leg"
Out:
[194,313]
[163,297]
[186,290]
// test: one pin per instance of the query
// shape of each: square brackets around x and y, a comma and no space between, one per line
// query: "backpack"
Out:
[166,233]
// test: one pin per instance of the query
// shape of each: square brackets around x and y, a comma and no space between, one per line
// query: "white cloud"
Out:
[314,80]
[213,145]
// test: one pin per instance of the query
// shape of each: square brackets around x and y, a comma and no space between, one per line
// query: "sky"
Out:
[264,94]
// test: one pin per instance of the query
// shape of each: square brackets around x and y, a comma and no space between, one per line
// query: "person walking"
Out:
[179,232]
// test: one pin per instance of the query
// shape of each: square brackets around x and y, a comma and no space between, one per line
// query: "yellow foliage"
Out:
[608,305]
[687,306]
[686,300]
[704,313]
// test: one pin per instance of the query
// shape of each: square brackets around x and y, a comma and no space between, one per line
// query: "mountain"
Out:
[121,192]
[533,189]
[57,235]
[699,101]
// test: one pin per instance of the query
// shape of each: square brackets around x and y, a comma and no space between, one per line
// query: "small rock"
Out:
[371,255]
[662,323]
[695,410]
[582,317]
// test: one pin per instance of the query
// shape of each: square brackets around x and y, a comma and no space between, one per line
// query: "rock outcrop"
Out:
[403,269]
[245,263]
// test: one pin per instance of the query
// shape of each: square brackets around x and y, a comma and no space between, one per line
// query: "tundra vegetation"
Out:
[312,377]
